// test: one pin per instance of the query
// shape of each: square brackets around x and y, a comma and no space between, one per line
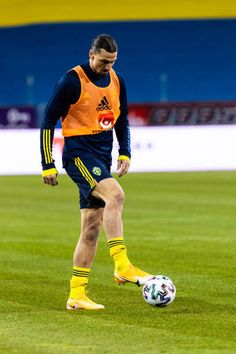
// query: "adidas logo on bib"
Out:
[104,105]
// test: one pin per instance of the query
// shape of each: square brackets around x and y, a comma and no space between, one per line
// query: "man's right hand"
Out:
[50,177]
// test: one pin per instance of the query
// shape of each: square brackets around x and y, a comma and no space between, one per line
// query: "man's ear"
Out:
[91,53]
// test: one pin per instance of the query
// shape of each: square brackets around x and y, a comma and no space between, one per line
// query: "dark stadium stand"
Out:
[161,60]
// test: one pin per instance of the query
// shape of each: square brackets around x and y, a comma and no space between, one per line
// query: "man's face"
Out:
[101,62]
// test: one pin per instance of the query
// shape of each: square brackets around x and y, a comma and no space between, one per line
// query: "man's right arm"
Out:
[66,93]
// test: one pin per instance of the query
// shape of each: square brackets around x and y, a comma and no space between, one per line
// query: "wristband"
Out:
[51,171]
[123,157]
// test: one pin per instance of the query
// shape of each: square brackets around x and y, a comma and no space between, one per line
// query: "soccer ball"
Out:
[159,291]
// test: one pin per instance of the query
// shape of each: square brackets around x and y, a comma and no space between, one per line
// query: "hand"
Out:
[122,167]
[50,179]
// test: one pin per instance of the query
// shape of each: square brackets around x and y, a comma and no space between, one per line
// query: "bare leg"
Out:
[87,245]
[83,258]
[111,192]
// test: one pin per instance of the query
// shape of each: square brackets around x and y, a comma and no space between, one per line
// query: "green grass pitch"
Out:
[182,225]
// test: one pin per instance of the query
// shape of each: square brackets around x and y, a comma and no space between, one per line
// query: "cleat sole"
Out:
[78,308]
[83,306]
[122,281]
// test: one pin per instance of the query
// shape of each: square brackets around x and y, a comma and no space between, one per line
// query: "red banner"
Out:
[189,113]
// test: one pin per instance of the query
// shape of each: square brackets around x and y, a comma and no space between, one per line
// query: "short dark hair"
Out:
[104,41]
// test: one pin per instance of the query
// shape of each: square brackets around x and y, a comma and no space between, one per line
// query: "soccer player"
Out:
[90,100]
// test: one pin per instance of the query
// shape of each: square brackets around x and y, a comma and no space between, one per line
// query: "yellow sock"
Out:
[119,253]
[78,282]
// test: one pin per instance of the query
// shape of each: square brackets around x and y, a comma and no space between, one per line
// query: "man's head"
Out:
[103,54]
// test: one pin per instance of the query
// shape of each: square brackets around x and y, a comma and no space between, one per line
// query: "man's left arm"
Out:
[122,130]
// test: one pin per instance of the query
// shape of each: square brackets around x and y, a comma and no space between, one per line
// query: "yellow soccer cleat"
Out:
[132,275]
[83,303]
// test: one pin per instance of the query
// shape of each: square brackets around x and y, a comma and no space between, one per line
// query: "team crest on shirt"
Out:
[97,171]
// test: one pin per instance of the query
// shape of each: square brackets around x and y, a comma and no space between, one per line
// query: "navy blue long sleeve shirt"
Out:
[66,93]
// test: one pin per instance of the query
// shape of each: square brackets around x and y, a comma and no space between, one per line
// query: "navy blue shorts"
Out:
[84,172]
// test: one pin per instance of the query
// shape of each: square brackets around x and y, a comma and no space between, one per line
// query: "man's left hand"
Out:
[123,166]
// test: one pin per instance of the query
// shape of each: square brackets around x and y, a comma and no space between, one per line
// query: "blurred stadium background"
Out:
[178,59]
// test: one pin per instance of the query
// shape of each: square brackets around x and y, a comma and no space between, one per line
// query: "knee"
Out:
[117,198]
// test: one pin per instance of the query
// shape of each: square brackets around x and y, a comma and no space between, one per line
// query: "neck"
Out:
[91,66]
